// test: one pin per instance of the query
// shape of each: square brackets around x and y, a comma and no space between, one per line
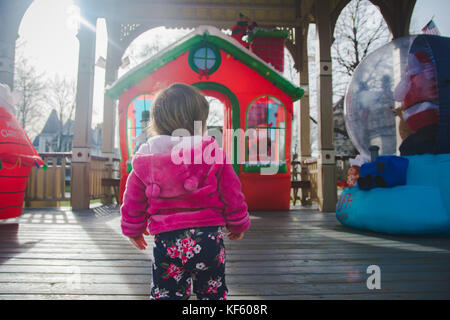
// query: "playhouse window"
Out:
[138,114]
[265,135]
[204,59]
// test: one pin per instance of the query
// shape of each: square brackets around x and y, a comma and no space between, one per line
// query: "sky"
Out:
[47,37]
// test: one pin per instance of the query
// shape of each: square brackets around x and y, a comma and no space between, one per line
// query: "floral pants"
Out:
[189,256]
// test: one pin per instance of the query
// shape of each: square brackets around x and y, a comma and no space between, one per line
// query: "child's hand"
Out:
[139,241]
[235,236]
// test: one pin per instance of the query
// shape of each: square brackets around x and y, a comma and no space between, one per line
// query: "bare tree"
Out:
[151,42]
[150,49]
[30,86]
[60,95]
[359,30]
[139,53]
[215,117]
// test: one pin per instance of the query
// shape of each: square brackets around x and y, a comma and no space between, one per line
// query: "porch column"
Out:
[7,55]
[301,50]
[113,62]
[81,156]
[327,190]
[11,13]
[301,36]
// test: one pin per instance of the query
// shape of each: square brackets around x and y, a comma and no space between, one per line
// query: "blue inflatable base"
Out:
[421,207]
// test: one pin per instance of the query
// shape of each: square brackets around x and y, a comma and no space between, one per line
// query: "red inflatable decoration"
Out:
[420,102]
[17,156]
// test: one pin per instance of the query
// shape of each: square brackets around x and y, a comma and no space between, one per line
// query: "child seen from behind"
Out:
[183,200]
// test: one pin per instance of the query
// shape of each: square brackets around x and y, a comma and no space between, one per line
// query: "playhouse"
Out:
[257,102]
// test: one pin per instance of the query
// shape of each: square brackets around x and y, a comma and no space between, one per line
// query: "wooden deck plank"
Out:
[300,254]
[235,288]
[349,269]
[10,264]
[387,296]
[144,277]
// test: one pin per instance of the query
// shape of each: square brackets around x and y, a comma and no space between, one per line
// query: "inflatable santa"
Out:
[17,156]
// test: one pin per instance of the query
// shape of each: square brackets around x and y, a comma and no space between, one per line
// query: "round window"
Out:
[204,59]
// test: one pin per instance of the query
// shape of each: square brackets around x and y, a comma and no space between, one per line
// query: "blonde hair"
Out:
[177,107]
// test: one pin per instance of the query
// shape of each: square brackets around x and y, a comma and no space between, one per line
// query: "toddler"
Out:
[183,201]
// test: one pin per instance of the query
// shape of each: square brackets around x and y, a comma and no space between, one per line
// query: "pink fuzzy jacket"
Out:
[164,195]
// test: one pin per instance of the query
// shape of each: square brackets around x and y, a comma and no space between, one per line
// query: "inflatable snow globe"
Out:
[398,101]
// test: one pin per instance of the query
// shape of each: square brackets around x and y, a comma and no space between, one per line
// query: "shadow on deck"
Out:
[301,254]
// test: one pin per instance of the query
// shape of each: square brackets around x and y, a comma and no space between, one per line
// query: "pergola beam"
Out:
[397,15]
[136,7]
[192,14]
[193,23]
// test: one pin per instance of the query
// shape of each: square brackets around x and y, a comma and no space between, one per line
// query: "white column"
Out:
[83,116]
[301,36]
[327,189]
[113,62]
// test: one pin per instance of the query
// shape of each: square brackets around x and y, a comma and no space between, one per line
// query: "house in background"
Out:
[56,137]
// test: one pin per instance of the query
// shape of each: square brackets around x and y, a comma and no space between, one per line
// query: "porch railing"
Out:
[312,173]
[52,185]
[342,166]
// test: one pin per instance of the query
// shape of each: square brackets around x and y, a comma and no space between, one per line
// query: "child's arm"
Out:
[230,192]
[133,210]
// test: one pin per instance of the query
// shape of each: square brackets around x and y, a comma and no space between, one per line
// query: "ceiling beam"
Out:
[192,14]
[397,15]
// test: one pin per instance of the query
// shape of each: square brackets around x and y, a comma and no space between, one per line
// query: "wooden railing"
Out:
[97,172]
[53,185]
[48,186]
[300,185]
[342,165]
[313,173]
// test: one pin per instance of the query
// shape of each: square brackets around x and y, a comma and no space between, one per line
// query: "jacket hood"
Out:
[164,143]
[177,166]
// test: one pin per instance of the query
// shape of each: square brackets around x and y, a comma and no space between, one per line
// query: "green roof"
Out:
[209,35]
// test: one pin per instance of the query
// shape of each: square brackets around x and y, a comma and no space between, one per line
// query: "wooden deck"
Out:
[302,254]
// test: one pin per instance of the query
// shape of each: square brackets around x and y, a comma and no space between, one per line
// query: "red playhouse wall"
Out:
[261,192]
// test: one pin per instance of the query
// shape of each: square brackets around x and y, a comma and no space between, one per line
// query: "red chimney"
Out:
[268,44]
